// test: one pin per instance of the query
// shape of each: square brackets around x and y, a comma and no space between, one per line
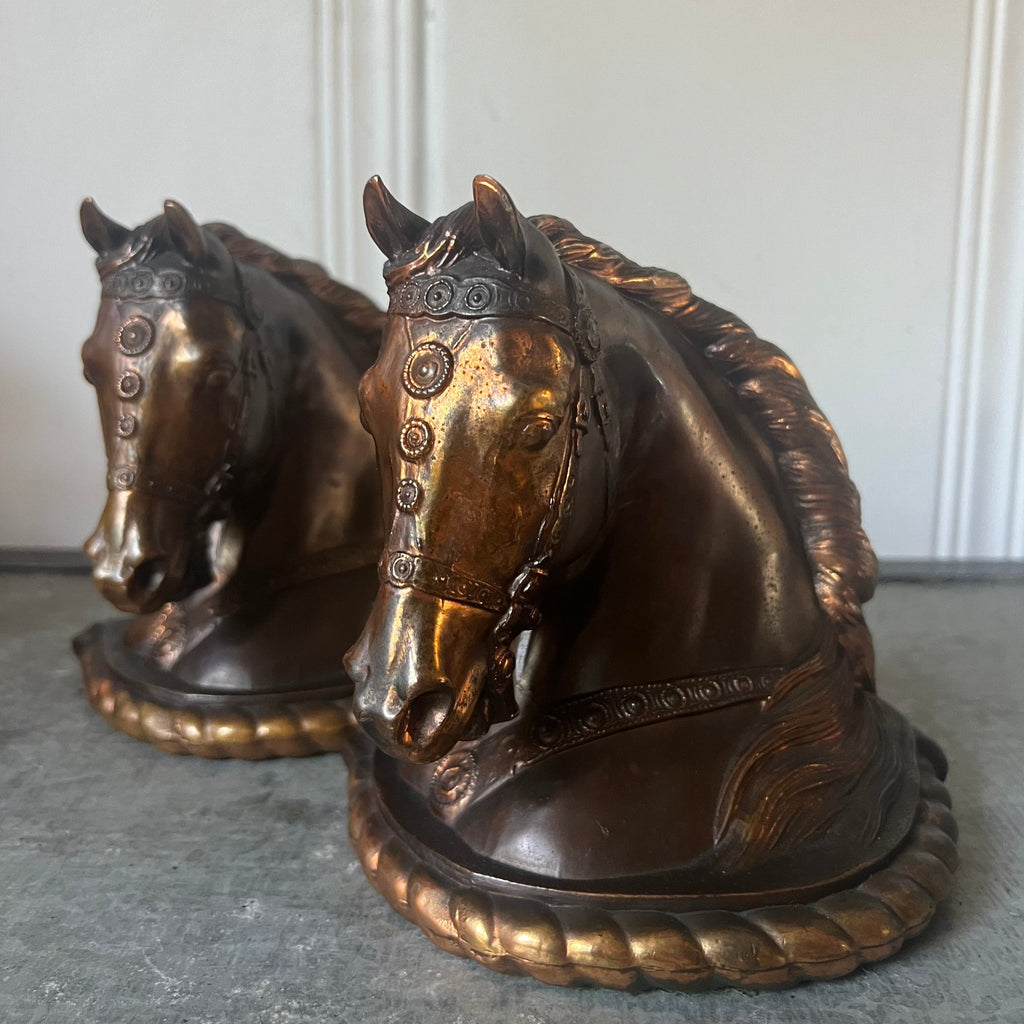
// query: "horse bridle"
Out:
[518,605]
[139,284]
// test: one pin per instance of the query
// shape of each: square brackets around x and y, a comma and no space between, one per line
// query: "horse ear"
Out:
[393,227]
[102,233]
[500,226]
[186,235]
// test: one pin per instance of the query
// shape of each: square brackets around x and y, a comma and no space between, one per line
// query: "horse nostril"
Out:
[148,575]
[426,715]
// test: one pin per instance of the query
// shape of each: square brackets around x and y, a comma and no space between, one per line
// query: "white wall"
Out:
[844,176]
[129,102]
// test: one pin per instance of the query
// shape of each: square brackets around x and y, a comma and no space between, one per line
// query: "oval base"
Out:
[599,939]
[152,705]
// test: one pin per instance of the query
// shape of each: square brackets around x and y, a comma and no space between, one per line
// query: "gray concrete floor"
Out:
[140,887]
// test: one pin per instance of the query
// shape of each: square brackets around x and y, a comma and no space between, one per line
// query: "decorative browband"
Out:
[441,295]
[404,569]
[146,283]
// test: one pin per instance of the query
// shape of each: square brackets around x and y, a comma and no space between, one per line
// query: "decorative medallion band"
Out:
[403,569]
[127,478]
[441,296]
[144,283]
[592,716]
[140,283]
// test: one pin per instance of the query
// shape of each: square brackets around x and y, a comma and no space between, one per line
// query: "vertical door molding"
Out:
[980,500]
[375,112]
[328,92]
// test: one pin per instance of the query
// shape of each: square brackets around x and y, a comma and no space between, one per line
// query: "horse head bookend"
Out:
[242,524]
[616,673]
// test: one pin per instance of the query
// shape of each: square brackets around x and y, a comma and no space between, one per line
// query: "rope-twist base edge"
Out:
[634,950]
[252,733]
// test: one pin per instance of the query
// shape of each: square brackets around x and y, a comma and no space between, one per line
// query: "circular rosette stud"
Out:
[129,385]
[125,425]
[172,283]
[407,298]
[479,297]
[428,370]
[141,282]
[400,569]
[122,478]
[408,495]
[438,296]
[416,440]
[453,779]
[135,336]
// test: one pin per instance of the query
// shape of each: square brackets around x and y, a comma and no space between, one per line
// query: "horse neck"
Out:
[321,489]
[701,567]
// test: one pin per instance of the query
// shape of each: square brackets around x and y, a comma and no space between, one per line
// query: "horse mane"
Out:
[349,307]
[773,394]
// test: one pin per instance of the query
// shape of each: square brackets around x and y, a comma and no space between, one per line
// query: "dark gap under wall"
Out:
[891,570]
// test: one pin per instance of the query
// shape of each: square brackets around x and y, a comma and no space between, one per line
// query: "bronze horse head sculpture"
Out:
[242,488]
[617,659]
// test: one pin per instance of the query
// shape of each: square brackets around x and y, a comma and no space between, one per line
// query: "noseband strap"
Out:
[405,569]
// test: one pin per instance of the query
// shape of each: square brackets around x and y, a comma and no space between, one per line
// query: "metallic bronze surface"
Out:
[242,528]
[617,669]
[625,942]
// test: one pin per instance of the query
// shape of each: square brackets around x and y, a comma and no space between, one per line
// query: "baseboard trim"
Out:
[953,570]
[891,570]
[70,561]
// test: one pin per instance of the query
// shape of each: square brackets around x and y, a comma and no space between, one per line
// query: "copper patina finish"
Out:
[616,673]
[242,525]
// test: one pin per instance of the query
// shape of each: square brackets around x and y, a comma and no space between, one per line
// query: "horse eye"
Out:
[537,433]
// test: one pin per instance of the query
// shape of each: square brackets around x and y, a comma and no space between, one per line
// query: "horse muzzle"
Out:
[133,573]
[421,728]
[134,586]
[404,701]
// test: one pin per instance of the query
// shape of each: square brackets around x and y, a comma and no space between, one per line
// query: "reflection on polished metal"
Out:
[242,528]
[688,781]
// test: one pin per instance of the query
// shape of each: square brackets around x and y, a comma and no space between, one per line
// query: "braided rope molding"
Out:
[770,947]
[258,733]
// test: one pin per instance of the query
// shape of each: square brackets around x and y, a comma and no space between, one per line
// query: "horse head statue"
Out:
[617,656]
[188,402]
[242,487]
